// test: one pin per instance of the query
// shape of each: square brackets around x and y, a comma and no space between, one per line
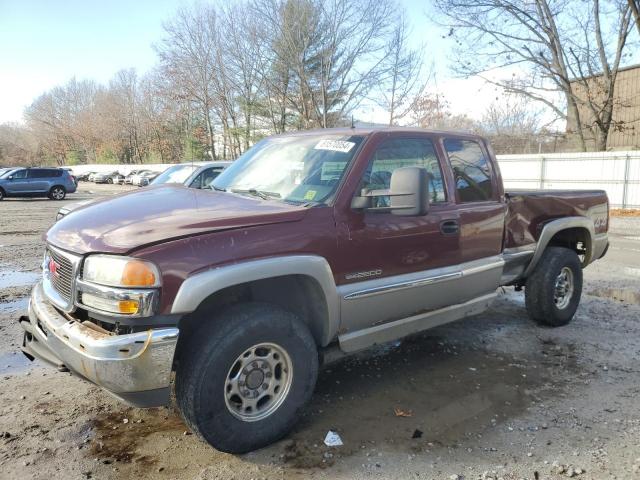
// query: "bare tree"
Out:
[634,5]
[555,44]
[513,125]
[188,56]
[62,120]
[334,50]
[244,54]
[18,146]
[124,109]
[432,110]
[406,77]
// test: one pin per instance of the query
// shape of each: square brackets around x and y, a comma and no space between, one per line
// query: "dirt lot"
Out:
[489,397]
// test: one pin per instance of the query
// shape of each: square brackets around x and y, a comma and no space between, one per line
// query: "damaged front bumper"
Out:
[135,367]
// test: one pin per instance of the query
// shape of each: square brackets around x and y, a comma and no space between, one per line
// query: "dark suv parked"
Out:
[54,183]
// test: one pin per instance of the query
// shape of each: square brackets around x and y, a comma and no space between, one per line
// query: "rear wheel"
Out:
[552,292]
[57,193]
[243,377]
[110,180]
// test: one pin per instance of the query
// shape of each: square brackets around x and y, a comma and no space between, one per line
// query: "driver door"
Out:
[396,266]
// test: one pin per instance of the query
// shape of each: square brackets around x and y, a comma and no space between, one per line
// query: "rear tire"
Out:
[552,292]
[57,193]
[110,181]
[243,377]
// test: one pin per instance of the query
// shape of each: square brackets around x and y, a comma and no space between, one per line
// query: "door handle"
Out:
[450,227]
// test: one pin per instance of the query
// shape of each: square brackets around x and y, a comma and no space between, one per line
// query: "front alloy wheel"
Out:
[57,193]
[258,382]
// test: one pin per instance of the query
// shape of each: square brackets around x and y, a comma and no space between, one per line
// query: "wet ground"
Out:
[492,396]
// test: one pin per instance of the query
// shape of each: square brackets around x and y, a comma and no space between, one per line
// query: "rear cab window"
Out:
[471,170]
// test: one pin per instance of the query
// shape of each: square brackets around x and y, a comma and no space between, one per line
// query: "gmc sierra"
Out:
[312,242]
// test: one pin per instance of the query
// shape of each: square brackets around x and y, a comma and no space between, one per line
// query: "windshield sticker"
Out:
[331,170]
[334,145]
[310,195]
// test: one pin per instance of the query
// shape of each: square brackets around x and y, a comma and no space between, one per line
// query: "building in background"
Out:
[625,128]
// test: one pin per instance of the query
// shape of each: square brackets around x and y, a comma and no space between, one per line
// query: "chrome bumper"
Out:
[134,367]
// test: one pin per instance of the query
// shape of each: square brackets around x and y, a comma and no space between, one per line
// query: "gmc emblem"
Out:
[53,267]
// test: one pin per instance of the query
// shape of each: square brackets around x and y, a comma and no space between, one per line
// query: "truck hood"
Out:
[159,214]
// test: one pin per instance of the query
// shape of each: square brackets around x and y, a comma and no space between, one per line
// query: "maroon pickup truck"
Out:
[313,242]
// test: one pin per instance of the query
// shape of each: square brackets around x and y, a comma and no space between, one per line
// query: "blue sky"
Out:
[45,43]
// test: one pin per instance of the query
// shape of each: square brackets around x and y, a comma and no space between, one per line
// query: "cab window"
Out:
[399,153]
[19,174]
[471,170]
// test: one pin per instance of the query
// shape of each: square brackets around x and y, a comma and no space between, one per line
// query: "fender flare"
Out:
[198,287]
[552,228]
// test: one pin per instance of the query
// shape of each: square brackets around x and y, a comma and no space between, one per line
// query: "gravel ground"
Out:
[492,396]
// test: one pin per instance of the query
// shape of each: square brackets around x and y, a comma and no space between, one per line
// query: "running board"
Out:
[386,332]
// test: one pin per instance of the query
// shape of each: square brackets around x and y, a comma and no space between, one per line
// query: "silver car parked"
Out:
[193,175]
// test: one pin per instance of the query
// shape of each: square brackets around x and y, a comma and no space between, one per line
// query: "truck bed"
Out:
[529,210]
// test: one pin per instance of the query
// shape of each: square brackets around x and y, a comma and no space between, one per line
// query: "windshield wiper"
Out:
[258,193]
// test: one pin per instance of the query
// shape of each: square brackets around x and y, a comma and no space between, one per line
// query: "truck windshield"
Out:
[299,169]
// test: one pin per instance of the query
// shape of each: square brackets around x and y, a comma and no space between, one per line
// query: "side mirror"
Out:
[10,177]
[408,193]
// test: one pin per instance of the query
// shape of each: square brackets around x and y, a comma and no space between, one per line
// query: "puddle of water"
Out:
[15,278]
[13,363]
[618,294]
[14,306]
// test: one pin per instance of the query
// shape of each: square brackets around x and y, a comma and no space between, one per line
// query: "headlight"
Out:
[116,271]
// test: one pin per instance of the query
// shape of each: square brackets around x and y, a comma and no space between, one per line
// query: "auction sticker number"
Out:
[335,145]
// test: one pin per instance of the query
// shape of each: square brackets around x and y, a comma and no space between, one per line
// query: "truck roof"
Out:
[360,130]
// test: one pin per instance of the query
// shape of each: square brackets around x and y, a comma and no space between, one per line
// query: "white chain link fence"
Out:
[618,173]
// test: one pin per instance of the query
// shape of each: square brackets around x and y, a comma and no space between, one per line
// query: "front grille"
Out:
[62,278]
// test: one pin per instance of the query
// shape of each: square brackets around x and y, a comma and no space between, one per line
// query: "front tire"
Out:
[552,292]
[110,181]
[1,194]
[57,193]
[244,376]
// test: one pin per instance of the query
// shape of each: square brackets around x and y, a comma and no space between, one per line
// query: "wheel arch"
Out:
[566,232]
[302,284]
